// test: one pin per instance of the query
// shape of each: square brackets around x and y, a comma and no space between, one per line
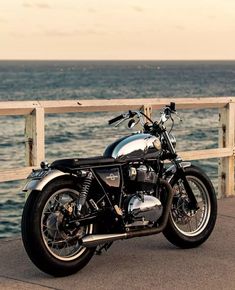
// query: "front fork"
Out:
[179,172]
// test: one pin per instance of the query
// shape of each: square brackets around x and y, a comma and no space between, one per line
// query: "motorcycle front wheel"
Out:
[50,240]
[186,228]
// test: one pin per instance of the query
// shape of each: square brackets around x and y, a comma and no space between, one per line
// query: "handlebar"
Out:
[165,115]
[167,111]
[114,120]
[127,115]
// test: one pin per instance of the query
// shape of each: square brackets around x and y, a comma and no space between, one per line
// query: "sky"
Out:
[117,29]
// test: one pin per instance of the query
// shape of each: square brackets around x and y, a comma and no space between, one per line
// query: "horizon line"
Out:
[121,60]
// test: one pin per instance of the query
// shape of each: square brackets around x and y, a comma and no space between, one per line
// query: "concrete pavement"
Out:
[142,263]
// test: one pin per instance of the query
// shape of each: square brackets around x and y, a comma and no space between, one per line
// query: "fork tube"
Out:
[167,138]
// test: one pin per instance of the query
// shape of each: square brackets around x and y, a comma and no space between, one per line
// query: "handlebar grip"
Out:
[115,119]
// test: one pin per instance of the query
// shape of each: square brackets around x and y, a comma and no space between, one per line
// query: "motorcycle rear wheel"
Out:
[186,229]
[51,246]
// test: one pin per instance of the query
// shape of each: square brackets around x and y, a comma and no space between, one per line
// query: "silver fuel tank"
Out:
[136,145]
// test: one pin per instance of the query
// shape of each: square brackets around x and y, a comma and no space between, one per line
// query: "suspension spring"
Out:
[84,191]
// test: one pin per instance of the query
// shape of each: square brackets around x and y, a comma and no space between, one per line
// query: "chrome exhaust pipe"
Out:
[95,240]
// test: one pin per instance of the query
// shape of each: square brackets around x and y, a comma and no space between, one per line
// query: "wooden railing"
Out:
[34,112]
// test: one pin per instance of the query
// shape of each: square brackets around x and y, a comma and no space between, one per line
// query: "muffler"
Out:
[95,240]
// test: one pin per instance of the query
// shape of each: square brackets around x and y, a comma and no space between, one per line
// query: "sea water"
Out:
[87,134]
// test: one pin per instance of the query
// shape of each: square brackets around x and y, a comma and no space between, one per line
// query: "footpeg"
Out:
[118,210]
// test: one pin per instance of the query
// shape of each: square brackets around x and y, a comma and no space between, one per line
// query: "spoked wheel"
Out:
[187,228]
[61,239]
[50,236]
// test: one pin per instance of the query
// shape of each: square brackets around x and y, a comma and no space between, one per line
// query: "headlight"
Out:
[157,144]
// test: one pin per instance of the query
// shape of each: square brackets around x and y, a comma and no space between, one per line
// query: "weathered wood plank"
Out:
[15,174]
[148,112]
[206,154]
[17,107]
[34,137]
[226,139]
[125,104]
[66,106]
[195,103]
[40,136]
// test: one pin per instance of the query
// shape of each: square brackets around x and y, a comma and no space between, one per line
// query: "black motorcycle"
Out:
[139,187]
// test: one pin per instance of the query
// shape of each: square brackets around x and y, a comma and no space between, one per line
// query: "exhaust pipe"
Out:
[95,240]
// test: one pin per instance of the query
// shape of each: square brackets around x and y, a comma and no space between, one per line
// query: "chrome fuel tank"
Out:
[136,145]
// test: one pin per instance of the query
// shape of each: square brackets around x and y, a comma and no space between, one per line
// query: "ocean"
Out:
[87,134]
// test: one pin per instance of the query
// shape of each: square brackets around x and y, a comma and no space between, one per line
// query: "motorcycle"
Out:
[138,187]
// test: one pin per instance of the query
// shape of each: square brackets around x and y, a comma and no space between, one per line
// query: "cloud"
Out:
[40,5]
[180,27]
[137,8]
[43,5]
[91,10]
[27,5]
[211,16]
[17,34]
[53,32]
[41,32]
[76,32]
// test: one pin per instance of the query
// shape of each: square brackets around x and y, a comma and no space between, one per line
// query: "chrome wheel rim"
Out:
[62,243]
[187,222]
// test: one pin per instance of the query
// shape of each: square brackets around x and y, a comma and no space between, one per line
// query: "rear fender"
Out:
[39,183]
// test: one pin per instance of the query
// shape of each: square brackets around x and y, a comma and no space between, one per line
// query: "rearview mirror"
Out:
[131,123]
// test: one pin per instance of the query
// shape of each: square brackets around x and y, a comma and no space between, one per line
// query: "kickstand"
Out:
[102,248]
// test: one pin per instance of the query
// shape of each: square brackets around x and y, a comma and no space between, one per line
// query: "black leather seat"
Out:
[69,165]
[78,162]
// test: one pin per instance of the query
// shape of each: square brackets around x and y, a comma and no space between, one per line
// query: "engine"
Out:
[140,178]
[142,207]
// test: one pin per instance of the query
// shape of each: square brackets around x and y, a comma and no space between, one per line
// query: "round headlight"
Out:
[157,144]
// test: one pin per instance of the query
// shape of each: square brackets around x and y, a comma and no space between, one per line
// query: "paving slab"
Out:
[141,263]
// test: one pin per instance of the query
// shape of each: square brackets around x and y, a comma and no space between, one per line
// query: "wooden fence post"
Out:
[148,111]
[34,137]
[226,139]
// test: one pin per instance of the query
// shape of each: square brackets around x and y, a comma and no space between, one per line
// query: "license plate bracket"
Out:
[37,174]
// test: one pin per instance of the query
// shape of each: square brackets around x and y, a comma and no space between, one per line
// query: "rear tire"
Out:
[51,247]
[185,230]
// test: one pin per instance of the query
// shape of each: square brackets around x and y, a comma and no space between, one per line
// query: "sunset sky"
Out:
[117,29]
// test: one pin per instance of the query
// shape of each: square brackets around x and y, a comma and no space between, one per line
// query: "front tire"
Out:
[50,243]
[184,228]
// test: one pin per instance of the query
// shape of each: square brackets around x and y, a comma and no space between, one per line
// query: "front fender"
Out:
[38,183]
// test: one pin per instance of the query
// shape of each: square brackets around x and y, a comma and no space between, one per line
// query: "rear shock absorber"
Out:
[84,191]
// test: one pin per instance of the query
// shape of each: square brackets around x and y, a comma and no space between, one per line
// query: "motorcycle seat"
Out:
[79,162]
